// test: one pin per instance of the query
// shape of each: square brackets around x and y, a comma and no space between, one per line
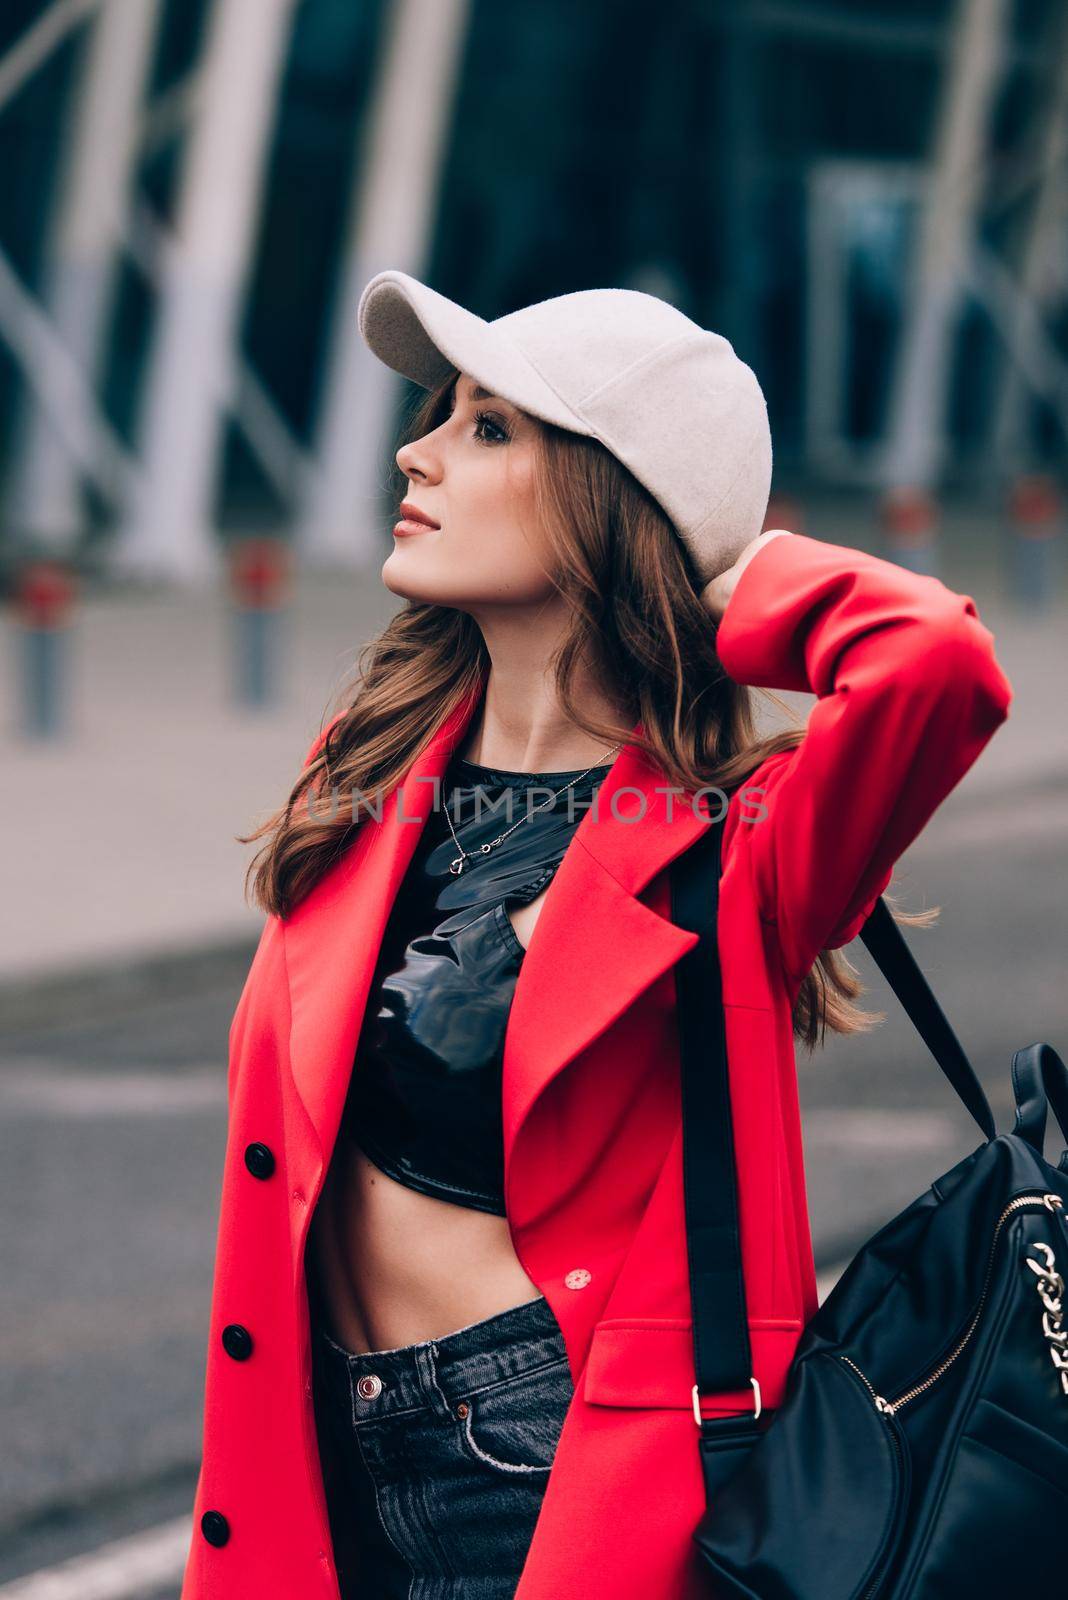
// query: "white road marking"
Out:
[125,1569]
[128,1568]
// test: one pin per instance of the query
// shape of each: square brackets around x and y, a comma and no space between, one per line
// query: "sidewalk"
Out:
[119,843]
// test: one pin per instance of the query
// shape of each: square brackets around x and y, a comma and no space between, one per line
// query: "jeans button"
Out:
[369,1387]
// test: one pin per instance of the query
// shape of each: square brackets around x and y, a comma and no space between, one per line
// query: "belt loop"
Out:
[426,1366]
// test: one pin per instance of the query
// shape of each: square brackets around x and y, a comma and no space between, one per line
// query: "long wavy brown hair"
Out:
[636,616]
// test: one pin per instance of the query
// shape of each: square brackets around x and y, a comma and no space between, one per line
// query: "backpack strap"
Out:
[884,939]
[723,1358]
[717,1288]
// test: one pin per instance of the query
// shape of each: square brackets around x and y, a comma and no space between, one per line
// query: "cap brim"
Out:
[425,337]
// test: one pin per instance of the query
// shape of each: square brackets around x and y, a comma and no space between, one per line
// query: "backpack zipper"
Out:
[886,1554]
[1052,1202]
[888,1408]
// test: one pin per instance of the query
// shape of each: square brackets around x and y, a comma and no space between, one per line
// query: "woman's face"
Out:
[473,475]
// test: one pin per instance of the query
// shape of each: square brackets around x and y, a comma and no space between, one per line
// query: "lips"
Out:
[412,514]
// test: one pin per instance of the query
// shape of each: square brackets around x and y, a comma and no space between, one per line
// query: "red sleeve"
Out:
[908,693]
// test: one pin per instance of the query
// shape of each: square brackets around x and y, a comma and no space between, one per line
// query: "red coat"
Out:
[909,691]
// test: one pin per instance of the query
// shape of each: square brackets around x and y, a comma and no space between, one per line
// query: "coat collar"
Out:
[595,947]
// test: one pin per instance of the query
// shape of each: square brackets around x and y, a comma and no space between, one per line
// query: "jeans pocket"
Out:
[513,1427]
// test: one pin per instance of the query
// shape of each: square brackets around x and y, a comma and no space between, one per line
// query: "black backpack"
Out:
[921,1448]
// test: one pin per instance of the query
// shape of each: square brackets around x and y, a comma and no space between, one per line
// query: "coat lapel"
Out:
[595,947]
[333,937]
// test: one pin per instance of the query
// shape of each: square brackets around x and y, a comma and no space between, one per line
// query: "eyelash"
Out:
[482,417]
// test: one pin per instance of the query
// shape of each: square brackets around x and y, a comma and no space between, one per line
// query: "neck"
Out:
[521,725]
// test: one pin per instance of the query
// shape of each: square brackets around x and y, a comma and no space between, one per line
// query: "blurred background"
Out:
[870,200]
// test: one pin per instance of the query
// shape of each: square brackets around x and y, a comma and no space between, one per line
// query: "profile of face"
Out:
[474,476]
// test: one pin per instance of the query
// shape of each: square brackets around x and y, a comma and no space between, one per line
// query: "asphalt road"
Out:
[112,1136]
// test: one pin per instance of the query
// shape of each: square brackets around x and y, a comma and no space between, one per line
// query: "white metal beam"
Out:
[1043,278]
[916,429]
[394,199]
[168,530]
[60,387]
[1034,362]
[268,435]
[32,49]
[82,254]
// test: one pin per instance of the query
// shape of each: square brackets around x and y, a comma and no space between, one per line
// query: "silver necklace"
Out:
[456,865]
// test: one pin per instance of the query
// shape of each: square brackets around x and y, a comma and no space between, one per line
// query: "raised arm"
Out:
[908,693]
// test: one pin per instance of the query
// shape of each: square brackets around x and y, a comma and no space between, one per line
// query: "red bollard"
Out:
[260,570]
[43,596]
[1035,523]
[908,518]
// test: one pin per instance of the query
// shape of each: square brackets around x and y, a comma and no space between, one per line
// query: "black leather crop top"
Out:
[424,1100]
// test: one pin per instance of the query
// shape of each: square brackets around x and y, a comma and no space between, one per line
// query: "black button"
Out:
[259,1160]
[214,1527]
[237,1341]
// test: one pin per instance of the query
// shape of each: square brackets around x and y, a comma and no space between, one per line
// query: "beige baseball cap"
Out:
[670,399]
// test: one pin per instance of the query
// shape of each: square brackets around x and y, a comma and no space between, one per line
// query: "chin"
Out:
[394,579]
[410,585]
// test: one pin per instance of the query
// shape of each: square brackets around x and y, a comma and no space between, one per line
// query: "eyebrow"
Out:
[478,393]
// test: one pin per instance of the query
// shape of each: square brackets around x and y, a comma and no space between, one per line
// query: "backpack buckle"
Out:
[697,1402]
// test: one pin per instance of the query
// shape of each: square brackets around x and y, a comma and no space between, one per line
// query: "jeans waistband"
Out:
[438,1373]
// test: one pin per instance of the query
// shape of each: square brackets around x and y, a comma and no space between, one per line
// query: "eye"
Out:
[484,420]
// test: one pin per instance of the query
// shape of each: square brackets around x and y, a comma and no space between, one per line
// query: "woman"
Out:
[451,1350]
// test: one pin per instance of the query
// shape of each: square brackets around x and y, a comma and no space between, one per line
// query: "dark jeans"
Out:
[439,1454]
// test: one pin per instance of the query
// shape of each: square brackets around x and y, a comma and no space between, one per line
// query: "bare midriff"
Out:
[393,1266]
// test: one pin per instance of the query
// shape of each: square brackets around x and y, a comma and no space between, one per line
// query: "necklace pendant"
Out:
[456,866]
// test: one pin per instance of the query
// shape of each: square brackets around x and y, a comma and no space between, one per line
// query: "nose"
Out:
[421,459]
[418,462]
